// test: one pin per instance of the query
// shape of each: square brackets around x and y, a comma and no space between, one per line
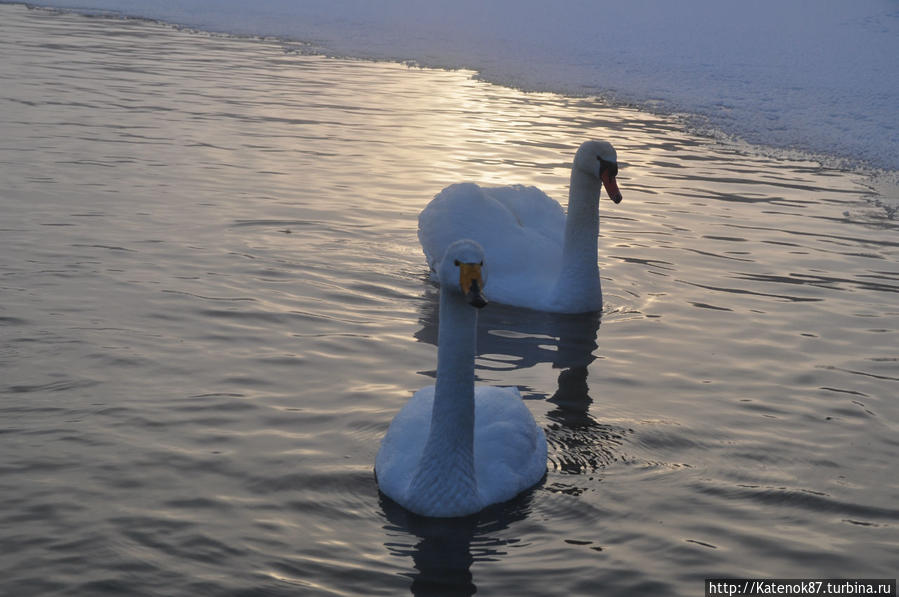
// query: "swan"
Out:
[539,258]
[454,448]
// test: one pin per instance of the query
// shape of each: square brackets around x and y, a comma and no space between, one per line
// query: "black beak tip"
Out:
[617,198]
[475,296]
[477,300]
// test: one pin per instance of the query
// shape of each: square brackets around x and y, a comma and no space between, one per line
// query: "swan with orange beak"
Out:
[456,448]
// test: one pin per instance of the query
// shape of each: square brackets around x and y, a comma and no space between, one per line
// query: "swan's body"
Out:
[539,257]
[455,448]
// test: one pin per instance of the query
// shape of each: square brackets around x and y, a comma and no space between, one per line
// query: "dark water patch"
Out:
[209,298]
[114,411]
[55,386]
[282,361]
[206,549]
[43,512]
[9,320]
[196,503]
[653,263]
[841,239]
[247,381]
[718,255]
[786,297]
[799,499]
[208,404]
[861,523]
[726,238]
[85,440]
[702,543]
[107,247]
[843,391]
[854,372]
[829,282]
[851,413]
[708,306]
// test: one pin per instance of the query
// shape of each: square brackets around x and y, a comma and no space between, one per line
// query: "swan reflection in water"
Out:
[444,549]
[510,338]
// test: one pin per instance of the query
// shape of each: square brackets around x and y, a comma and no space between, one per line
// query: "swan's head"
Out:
[462,269]
[598,159]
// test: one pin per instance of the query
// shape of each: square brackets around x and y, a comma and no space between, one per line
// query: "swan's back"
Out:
[509,448]
[534,209]
[520,228]
[403,444]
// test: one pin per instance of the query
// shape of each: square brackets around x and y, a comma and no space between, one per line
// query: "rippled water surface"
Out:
[212,303]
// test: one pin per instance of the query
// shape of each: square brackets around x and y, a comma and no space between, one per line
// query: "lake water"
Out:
[212,303]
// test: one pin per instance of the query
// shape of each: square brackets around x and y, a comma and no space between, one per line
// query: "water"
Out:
[212,303]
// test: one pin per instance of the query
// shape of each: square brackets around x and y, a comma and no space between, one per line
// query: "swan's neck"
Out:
[445,477]
[578,287]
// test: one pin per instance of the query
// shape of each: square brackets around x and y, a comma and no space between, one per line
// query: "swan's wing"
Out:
[534,210]
[404,443]
[460,211]
[519,228]
[510,448]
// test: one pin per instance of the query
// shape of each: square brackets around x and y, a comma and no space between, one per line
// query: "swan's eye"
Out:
[604,165]
[456,263]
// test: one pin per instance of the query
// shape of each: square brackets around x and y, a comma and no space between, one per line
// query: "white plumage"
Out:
[540,258]
[455,448]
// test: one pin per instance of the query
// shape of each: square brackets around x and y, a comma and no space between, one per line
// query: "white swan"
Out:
[454,448]
[539,259]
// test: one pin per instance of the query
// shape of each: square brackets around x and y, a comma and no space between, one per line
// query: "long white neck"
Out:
[444,483]
[578,288]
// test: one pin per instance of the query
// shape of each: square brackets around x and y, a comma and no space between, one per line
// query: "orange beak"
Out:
[471,282]
[608,181]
